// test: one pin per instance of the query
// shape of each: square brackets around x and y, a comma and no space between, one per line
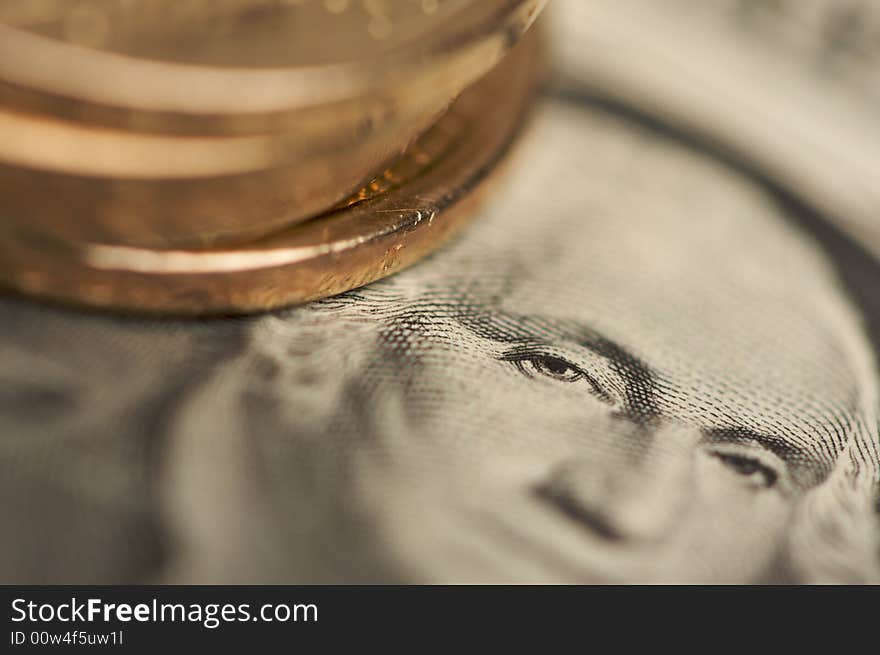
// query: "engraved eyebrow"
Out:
[788,452]
[508,328]
[640,380]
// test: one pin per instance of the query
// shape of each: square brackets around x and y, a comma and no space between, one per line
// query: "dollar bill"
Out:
[652,359]
[792,88]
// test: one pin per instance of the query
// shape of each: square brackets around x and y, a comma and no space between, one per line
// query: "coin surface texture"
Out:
[407,211]
[203,123]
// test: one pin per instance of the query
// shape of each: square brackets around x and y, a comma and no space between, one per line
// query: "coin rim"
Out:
[323,257]
[467,52]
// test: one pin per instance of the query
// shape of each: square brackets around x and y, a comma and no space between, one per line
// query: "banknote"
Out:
[652,359]
[790,87]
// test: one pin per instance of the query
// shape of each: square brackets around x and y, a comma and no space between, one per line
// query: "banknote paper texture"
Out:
[652,359]
[792,87]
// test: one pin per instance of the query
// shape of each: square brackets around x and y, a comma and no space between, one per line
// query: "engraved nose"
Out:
[634,493]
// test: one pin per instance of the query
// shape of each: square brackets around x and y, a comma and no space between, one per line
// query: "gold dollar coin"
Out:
[408,210]
[199,123]
[254,33]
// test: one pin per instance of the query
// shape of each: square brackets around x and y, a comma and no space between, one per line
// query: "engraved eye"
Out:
[552,367]
[751,468]
[541,365]
[534,364]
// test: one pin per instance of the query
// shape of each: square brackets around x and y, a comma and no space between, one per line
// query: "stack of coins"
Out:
[215,156]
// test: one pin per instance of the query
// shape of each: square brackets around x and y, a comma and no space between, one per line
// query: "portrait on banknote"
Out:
[652,359]
[661,378]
